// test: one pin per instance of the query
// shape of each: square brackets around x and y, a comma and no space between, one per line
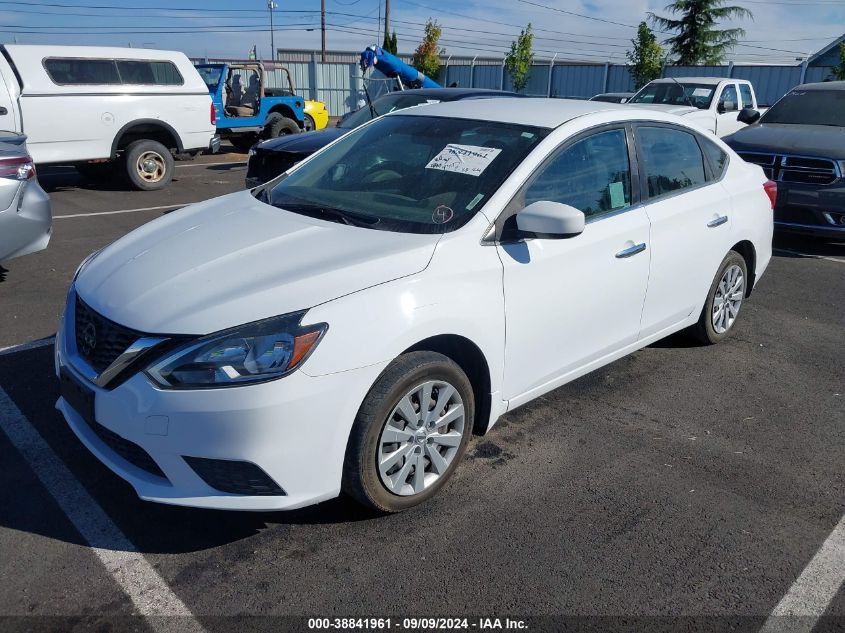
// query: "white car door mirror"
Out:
[550,220]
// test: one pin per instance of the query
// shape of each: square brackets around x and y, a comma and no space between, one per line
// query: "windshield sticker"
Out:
[617,195]
[701,92]
[474,201]
[471,160]
[527,135]
[442,214]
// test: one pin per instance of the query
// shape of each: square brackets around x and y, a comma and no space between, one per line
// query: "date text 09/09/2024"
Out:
[414,624]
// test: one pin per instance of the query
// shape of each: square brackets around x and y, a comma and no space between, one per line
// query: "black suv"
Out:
[273,157]
[800,144]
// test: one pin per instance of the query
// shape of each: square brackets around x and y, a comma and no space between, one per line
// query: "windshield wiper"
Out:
[331,214]
[684,93]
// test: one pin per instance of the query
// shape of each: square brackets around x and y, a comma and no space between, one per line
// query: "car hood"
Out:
[677,110]
[233,260]
[776,138]
[305,143]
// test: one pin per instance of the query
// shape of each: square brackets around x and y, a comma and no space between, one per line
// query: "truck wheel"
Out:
[278,125]
[149,165]
[243,142]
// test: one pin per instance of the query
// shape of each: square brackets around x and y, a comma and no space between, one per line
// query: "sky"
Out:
[579,30]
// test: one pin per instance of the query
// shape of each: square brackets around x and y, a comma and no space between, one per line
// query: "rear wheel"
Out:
[149,165]
[309,123]
[724,300]
[278,125]
[410,434]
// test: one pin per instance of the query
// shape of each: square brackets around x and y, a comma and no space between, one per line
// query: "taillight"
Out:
[212,114]
[17,167]
[771,189]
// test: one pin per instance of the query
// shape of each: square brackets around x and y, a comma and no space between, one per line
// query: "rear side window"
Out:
[747,99]
[673,160]
[593,175]
[717,157]
[109,72]
[149,73]
[71,72]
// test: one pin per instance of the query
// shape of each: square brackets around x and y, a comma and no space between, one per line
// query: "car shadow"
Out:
[57,179]
[27,377]
[798,246]
[227,167]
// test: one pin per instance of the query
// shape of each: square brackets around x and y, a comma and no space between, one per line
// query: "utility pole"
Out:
[386,18]
[323,29]
[272,5]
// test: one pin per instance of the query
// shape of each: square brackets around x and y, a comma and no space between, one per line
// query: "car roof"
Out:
[450,94]
[548,113]
[824,85]
[707,81]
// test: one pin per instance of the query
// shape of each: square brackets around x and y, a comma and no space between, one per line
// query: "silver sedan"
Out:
[26,222]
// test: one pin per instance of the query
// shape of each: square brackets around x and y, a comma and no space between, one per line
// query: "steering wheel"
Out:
[385,170]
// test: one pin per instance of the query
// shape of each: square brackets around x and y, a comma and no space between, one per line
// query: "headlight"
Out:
[251,152]
[256,352]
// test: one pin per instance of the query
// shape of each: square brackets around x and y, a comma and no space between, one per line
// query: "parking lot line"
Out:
[812,592]
[14,349]
[136,577]
[96,213]
[790,252]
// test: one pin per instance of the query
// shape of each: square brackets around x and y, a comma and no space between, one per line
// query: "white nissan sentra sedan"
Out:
[347,326]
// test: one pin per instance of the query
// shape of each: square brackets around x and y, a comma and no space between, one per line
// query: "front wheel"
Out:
[149,165]
[410,434]
[277,125]
[724,300]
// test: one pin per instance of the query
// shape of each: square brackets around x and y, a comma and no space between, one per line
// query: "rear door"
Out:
[690,214]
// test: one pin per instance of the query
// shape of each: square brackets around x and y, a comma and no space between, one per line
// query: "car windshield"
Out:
[681,93]
[383,105]
[410,174]
[210,75]
[809,107]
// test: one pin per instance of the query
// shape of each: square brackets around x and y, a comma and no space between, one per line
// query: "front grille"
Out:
[797,169]
[241,478]
[129,451]
[109,339]
[266,165]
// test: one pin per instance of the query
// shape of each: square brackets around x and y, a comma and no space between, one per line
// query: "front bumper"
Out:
[294,429]
[817,211]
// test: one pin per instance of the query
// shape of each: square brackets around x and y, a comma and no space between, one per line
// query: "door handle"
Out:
[631,251]
[3,111]
[717,221]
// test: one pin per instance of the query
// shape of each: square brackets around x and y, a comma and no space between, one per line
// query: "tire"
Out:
[244,142]
[277,125]
[715,325]
[149,165]
[406,380]
[309,123]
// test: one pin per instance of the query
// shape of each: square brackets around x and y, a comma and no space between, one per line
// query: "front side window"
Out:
[728,102]
[413,174]
[593,175]
[673,160]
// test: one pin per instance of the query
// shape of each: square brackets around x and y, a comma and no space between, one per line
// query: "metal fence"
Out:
[338,82]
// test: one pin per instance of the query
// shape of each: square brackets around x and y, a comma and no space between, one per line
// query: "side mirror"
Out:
[550,220]
[748,116]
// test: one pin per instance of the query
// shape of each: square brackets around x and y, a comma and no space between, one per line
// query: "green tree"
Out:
[839,69]
[390,43]
[645,59]
[427,56]
[519,59]
[696,40]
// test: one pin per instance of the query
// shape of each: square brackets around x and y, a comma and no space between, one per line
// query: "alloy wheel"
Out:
[728,299]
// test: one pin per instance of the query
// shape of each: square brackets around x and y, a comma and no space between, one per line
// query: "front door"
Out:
[570,302]
[727,111]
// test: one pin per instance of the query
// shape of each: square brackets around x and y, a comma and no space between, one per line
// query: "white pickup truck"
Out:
[722,106]
[89,105]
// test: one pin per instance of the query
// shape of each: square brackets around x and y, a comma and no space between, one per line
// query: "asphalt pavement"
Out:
[680,488]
